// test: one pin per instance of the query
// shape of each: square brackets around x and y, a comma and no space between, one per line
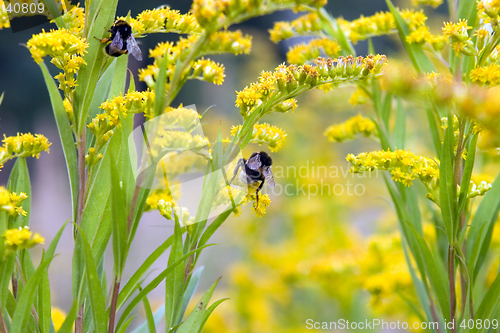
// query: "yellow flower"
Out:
[23,145]
[302,53]
[10,202]
[260,209]
[56,44]
[4,17]
[209,70]
[75,20]
[457,31]
[286,80]
[20,238]
[419,36]
[157,195]
[348,129]
[163,20]
[58,317]
[488,76]
[489,9]
[304,25]
[265,133]
[433,3]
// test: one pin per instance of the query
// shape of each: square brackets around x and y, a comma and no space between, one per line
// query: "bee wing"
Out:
[266,171]
[254,162]
[133,48]
[116,44]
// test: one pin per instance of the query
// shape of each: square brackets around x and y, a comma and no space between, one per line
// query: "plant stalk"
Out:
[114,301]
[2,323]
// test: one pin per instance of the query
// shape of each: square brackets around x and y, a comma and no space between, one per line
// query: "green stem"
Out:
[451,276]
[114,302]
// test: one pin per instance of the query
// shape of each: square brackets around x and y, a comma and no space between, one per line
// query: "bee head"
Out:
[265,159]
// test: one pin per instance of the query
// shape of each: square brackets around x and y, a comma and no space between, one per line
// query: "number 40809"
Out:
[25,8]
[479,323]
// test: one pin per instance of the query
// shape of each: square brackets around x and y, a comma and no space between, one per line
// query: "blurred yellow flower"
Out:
[348,129]
[58,317]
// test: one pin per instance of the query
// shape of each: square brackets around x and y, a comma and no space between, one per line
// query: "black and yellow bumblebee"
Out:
[122,41]
[256,169]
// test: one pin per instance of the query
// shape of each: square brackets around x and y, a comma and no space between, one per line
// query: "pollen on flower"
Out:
[302,53]
[260,209]
[10,202]
[23,145]
[20,238]
[304,25]
[348,129]
[265,134]
[56,44]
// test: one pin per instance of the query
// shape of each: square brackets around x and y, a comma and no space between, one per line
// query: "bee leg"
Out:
[257,193]
[240,164]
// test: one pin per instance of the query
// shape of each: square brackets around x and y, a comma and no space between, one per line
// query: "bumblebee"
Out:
[122,41]
[256,169]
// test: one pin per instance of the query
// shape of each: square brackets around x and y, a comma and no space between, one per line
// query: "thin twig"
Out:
[79,320]
[81,178]
[114,302]
[434,315]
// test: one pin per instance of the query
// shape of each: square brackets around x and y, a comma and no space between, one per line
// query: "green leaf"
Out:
[400,126]
[158,316]
[125,325]
[119,221]
[132,283]
[489,304]
[19,181]
[54,12]
[190,290]
[436,139]
[435,272]
[209,311]
[96,297]
[95,58]
[482,226]
[174,286]
[65,134]
[469,165]
[6,270]
[43,306]
[25,301]
[153,284]
[195,321]
[387,109]
[67,326]
[149,316]
[447,191]
[420,61]
[160,88]
[468,10]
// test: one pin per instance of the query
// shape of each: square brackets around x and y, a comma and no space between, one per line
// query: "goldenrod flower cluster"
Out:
[219,42]
[19,239]
[56,44]
[265,134]
[260,208]
[348,129]
[163,20]
[481,105]
[213,13]
[170,212]
[457,33]
[422,35]
[23,145]
[75,20]
[209,71]
[385,276]
[403,165]
[382,23]
[300,54]
[103,124]
[433,3]
[287,81]
[4,17]
[487,76]
[155,196]
[304,25]
[489,11]
[10,202]
[176,163]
